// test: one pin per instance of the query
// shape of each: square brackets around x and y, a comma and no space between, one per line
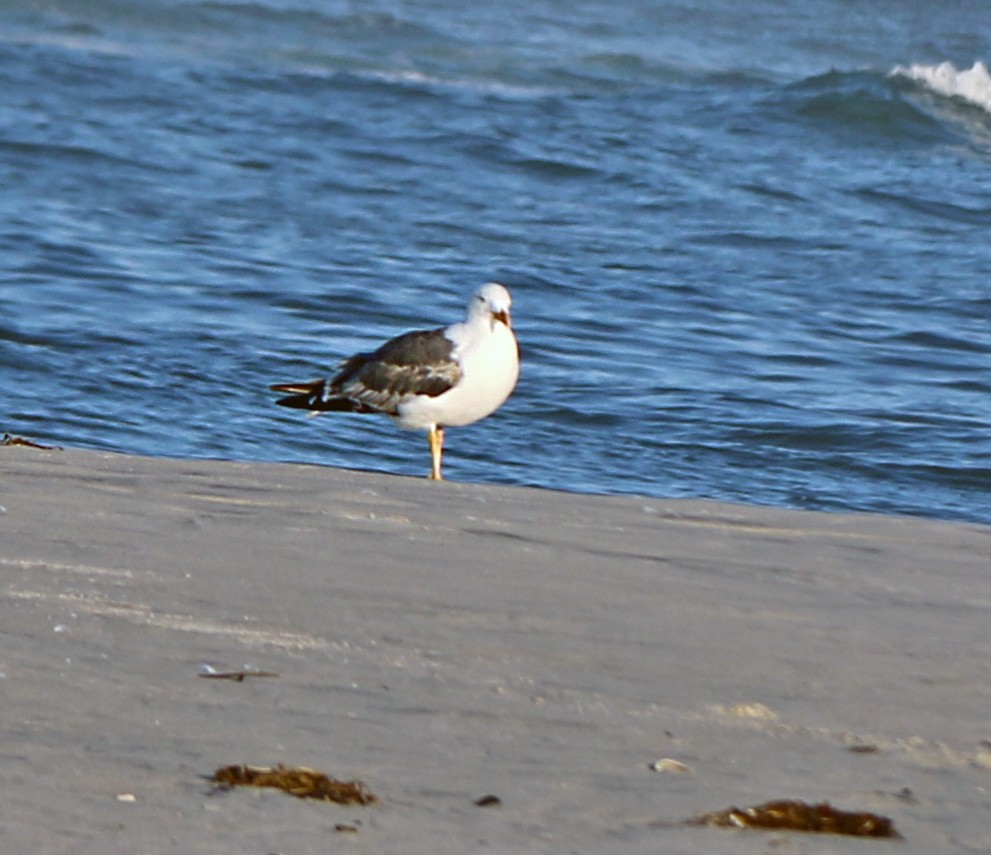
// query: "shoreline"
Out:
[443,642]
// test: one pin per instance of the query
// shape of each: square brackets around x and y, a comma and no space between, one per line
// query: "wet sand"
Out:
[443,642]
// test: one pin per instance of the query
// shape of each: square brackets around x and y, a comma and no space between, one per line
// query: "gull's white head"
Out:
[491,301]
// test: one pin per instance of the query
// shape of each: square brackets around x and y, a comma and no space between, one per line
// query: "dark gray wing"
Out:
[416,363]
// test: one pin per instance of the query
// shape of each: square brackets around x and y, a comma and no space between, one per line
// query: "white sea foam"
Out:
[973,84]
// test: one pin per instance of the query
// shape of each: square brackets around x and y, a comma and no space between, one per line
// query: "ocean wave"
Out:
[972,85]
[862,105]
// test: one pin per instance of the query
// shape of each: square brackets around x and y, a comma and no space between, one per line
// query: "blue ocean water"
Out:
[748,242]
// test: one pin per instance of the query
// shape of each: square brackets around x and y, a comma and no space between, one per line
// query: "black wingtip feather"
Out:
[310,396]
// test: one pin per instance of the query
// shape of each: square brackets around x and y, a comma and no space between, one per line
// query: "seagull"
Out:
[427,379]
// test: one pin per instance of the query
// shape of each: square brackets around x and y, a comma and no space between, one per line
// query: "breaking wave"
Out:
[972,85]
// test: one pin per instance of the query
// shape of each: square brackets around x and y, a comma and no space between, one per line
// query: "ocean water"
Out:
[749,242]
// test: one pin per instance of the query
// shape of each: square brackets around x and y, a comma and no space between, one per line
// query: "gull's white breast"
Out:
[489,358]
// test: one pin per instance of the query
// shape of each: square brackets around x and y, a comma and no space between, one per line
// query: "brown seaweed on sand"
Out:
[236,676]
[9,440]
[790,815]
[298,781]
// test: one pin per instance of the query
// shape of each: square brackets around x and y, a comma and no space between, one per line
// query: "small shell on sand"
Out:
[667,764]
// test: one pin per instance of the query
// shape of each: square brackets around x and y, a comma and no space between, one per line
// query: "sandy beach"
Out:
[444,642]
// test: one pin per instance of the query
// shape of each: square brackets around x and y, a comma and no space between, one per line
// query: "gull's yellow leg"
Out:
[436,437]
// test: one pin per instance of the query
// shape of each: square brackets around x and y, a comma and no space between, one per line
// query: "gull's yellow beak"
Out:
[502,316]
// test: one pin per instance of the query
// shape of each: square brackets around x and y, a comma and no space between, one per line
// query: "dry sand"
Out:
[446,641]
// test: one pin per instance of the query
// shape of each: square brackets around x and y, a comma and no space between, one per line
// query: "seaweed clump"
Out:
[793,815]
[297,781]
[9,440]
